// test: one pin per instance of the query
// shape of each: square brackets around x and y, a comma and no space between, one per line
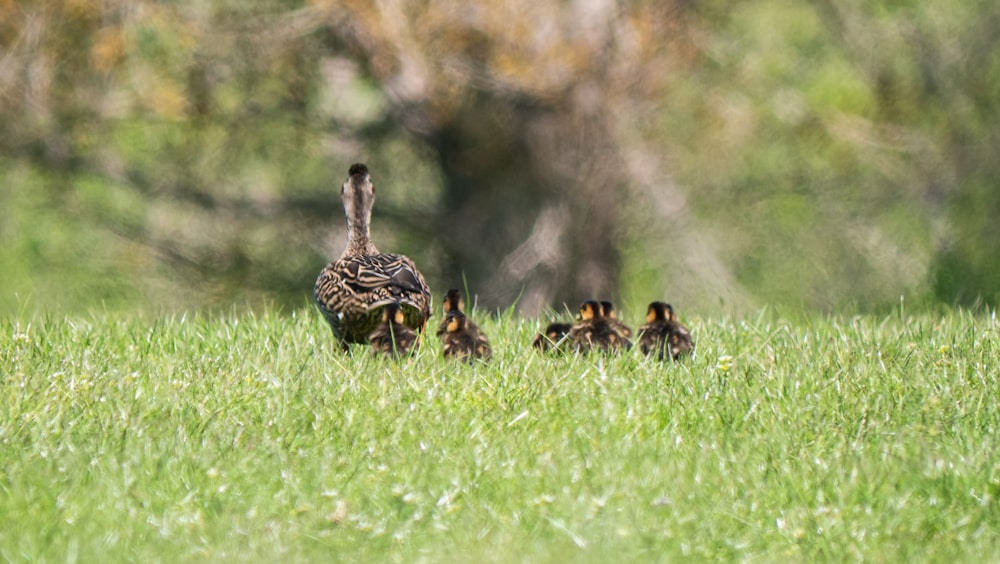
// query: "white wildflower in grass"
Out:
[724,363]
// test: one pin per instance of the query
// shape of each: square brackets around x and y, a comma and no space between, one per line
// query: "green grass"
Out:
[249,438]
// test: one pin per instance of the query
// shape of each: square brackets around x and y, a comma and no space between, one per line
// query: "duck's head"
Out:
[393,313]
[589,309]
[660,311]
[453,300]
[455,321]
[556,331]
[608,310]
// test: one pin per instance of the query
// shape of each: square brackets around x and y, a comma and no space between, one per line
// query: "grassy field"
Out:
[241,437]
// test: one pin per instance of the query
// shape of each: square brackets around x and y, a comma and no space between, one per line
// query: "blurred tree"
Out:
[187,153]
[934,72]
[520,101]
[843,148]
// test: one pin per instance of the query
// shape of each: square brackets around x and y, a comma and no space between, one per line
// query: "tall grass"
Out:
[245,437]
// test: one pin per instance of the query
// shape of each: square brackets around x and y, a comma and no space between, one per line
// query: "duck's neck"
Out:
[359,239]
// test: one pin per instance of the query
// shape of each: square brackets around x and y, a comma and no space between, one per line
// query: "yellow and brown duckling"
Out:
[592,331]
[392,336]
[352,290]
[462,339]
[553,338]
[608,310]
[453,301]
[663,335]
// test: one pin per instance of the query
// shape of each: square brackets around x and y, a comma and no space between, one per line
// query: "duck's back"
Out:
[351,291]
[666,339]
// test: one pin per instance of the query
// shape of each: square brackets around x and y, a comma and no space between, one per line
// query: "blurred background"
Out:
[821,154]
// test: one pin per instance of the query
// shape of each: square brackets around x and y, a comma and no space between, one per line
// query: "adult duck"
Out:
[352,290]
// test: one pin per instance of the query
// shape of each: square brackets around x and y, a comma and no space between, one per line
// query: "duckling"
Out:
[553,338]
[663,334]
[593,331]
[463,340]
[608,309]
[453,301]
[351,291]
[392,336]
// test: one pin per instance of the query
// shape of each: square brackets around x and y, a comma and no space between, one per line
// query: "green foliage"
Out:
[49,257]
[246,437]
[169,155]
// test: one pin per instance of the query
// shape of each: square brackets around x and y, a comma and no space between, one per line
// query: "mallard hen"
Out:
[392,337]
[663,335]
[462,340]
[592,331]
[352,290]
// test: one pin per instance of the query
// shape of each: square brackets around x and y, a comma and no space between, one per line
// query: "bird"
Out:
[663,335]
[351,291]
[453,301]
[592,331]
[463,340]
[553,337]
[392,337]
[608,310]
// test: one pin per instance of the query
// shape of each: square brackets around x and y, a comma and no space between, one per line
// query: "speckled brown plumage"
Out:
[352,290]
[611,315]
[392,337]
[453,301]
[593,331]
[462,340]
[553,338]
[663,335]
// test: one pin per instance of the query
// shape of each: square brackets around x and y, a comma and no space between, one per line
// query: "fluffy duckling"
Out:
[352,290]
[453,301]
[593,331]
[608,309]
[392,337]
[553,338]
[462,340]
[663,335]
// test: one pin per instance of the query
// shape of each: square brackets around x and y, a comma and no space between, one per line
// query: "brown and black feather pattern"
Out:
[392,337]
[351,291]
[553,337]
[453,301]
[594,332]
[463,340]
[663,335]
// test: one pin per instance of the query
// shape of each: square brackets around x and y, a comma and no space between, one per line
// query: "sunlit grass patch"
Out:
[250,437]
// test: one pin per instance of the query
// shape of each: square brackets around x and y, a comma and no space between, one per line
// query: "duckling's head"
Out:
[455,321]
[453,300]
[393,313]
[608,310]
[556,331]
[659,311]
[671,314]
[589,309]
